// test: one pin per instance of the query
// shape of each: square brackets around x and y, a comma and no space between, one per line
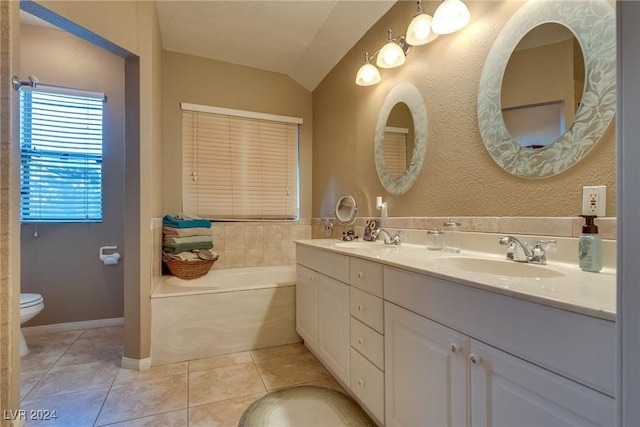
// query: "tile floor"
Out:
[78,374]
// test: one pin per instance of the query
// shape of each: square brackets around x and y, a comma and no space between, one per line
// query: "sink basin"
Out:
[377,249]
[359,245]
[496,267]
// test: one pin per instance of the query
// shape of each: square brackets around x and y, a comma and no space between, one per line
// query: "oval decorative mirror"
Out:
[346,209]
[547,90]
[401,138]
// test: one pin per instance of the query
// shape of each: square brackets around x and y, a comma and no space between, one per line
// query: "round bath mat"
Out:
[305,405]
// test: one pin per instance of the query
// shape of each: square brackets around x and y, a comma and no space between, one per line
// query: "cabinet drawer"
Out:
[366,275]
[329,263]
[367,308]
[367,383]
[368,342]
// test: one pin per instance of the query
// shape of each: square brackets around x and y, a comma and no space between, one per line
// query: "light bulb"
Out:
[367,74]
[390,56]
[450,16]
[419,30]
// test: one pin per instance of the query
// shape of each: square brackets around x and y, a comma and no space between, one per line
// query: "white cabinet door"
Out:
[426,371]
[333,326]
[509,392]
[306,306]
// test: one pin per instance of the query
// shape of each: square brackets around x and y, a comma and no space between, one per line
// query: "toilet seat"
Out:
[29,300]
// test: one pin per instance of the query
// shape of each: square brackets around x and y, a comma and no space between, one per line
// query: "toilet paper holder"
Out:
[109,259]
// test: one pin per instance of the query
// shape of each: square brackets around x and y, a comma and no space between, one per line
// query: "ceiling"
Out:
[303,39]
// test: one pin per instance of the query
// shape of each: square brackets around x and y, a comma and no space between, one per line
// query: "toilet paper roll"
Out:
[111,259]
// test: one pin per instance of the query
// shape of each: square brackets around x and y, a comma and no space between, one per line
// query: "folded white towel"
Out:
[172,241]
[186,256]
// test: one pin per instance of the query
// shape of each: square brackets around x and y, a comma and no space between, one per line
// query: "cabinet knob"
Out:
[455,348]
[360,307]
[361,382]
[360,274]
[360,341]
[475,359]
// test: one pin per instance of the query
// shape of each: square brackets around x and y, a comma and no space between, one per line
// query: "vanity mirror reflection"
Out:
[398,140]
[542,85]
[555,62]
[401,138]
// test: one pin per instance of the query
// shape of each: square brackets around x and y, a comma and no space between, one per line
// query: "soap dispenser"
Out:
[590,246]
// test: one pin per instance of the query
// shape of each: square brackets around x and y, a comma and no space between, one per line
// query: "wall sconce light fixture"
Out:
[450,16]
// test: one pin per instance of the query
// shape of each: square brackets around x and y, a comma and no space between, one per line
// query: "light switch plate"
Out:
[594,200]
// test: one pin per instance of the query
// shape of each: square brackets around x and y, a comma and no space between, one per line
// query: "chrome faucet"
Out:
[521,252]
[392,240]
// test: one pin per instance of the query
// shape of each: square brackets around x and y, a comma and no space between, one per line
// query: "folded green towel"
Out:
[172,221]
[184,247]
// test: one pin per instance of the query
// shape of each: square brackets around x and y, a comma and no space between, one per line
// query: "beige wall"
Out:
[458,177]
[62,263]
[188,78]
[132,26]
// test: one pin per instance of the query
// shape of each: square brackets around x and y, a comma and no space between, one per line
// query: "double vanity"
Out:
[421,338]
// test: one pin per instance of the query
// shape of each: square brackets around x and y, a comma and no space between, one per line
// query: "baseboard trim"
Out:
[72,326]
[135,364]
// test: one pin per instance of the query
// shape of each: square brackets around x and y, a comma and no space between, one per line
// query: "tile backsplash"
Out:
[248,244]
[414,228]
[252,244]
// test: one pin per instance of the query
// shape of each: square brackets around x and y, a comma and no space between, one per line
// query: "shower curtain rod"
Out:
[34,83]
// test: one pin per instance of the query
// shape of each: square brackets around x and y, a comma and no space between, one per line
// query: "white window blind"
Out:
[61,156]
[395,153]
[239,167]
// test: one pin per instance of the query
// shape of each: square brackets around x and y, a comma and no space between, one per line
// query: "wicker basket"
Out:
[189,269]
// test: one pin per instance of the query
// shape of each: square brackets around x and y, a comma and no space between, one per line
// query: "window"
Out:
[239,165]
[61,156]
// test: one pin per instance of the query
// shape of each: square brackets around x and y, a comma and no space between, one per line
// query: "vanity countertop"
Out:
[592,294]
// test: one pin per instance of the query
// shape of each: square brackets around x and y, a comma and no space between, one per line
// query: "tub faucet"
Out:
[389,240]
[521,252]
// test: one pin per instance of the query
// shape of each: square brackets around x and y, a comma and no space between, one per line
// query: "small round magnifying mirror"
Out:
[346,209]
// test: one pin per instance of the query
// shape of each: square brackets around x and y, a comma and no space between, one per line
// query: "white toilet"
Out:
[30,306]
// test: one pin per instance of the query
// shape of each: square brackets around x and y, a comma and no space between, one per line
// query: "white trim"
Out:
[240,113]
[17,423]
[135,364]
[65,91]
[72,326]
[393,129]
